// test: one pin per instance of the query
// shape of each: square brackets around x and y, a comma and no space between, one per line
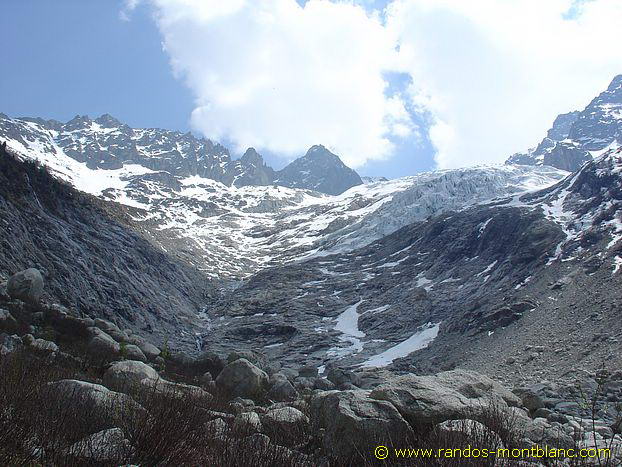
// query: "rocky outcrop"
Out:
[26,285]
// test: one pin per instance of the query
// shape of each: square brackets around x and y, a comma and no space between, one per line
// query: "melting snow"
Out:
[419,340]
[348,325]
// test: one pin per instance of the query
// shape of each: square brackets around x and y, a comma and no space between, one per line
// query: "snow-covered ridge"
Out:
[232,232]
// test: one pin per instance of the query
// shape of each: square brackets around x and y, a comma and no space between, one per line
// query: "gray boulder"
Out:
[242,378]
[26,285]
[96,401]
[341,377]
[112,330]
[285,417]
[104,446]
[7,322]
[133,352]
[427,400]
[282,390]
[354,423]
[473,431]
[150,350]
[102,345]
[247,423]
[42,345]
[123,375]
[9,344]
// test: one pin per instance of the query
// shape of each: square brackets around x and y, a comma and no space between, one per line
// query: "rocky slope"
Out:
[93,259]
[230,232]
[577,137]
[472,279]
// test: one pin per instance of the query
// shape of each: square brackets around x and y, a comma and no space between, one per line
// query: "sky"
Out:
[392,86]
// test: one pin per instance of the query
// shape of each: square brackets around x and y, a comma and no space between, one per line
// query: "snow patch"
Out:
[419,340]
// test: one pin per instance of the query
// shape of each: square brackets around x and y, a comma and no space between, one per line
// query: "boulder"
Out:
[427,400]
[104,446]
[9,344]
[163,386]
[353,423]
[282,391]
[101,345]
[150,350]
[112,330]
[42,345]
[133,352]
[217,428]
[122,375]
[26,286]
[252,357]
[94,401]
[210,362]
[323,384]
[308,371]
[341,376]
[284,418]
[247,423]
[472,430]
[242,378]
[7,322]
[530,400]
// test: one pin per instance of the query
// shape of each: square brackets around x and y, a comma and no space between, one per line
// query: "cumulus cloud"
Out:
[491,75]
[494,74]
[278,76]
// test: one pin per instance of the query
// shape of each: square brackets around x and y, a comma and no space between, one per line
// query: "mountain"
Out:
[231,232]
[106,143]
[577,137]
[492,279]
[319,170]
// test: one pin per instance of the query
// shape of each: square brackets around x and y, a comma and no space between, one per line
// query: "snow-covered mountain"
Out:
[577,137]
[476,279]
[230,231]
[106,143]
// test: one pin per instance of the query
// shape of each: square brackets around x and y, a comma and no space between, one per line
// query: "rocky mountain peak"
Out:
[108,121]
[616,84]
[252,157]
[319,170]
[78,122]
[578,137]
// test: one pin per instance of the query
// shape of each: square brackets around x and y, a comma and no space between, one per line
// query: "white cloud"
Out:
[277,76]
[495,73]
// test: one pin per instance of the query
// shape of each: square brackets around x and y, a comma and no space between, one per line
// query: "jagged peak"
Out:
[108,121]
[317,150]
[616,84]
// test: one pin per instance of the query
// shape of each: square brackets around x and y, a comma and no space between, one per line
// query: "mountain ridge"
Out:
[577,137]
[106,143]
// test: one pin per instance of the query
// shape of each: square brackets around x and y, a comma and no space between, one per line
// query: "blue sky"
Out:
[419,85]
